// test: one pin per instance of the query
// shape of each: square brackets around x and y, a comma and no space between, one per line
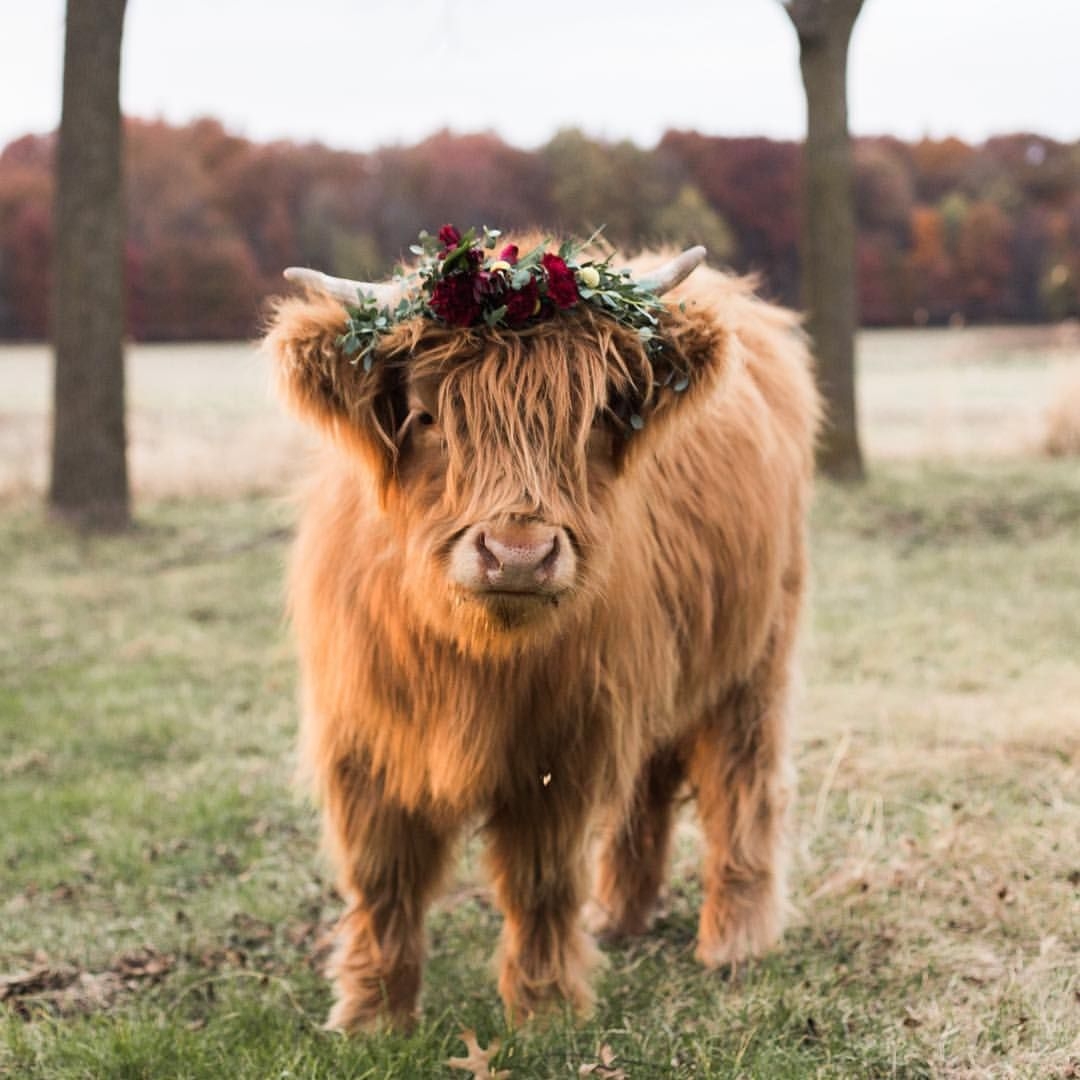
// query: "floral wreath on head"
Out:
[466,280]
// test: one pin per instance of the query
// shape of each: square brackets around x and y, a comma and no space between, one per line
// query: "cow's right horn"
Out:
[385,293]
[671,273]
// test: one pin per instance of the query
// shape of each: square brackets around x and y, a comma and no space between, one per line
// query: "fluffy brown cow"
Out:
[514,609]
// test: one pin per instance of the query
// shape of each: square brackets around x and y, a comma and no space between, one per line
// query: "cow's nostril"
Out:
[488,559]
[547,564]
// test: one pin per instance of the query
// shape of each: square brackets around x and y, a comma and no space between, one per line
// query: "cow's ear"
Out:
[360,410]
[697,356]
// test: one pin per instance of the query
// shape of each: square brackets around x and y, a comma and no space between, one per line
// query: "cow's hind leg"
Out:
[633,864]
[740,769]
[536,852]
[389,863]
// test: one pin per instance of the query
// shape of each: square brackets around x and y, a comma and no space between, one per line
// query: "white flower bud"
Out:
[589,276]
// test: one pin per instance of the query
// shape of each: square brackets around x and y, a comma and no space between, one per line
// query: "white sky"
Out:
[361,73]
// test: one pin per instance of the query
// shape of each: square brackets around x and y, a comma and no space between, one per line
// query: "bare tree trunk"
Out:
[89,483]
[828,243]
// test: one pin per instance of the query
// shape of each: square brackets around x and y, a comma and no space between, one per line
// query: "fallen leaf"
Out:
[605,1068]
[301,933]
[478,1061]
[37,980]
[247,930]
[144,963]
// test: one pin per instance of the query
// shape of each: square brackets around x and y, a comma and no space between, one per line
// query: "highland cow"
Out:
[539,589]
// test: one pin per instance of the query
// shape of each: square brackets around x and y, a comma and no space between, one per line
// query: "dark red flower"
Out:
[522,304]
[562,288]
[487,285]
[509,254]
[449,237]
[454,300]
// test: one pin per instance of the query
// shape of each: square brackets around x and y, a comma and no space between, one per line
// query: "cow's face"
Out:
[504,481]
[502,460]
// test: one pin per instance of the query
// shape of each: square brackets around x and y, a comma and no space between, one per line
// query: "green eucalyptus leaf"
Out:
[533,257]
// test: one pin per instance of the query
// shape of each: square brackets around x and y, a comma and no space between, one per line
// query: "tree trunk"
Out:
[828,241]
[89,482]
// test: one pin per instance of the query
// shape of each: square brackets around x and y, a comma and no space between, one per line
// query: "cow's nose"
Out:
[518,557]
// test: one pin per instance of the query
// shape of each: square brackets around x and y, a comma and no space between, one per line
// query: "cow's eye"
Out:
[425,418]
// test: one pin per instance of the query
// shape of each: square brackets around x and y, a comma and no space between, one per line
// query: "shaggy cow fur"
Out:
[666,661]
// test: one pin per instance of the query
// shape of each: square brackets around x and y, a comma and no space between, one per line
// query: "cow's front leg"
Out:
[537,858]
[741,771]
[389,863]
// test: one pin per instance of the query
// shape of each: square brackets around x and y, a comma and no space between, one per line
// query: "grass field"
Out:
[163,908]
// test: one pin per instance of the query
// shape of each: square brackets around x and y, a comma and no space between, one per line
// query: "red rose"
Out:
[509,254]
[454,300]
[562,288]
[449,237]
[521,304]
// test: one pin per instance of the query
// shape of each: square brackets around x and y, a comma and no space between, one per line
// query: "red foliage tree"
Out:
[990,231]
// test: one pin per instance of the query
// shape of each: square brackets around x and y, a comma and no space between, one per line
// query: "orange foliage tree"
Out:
[944,228]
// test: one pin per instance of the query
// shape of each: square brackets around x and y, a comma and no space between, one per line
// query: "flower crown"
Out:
[462,281]
[465,280]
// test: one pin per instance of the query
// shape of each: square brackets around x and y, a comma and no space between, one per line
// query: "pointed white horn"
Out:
[671,273]
[386,293]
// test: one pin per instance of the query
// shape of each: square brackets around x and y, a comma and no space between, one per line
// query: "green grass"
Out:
[159,873]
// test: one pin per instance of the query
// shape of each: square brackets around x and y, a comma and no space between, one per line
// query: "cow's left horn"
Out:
[671,273]
[385,293]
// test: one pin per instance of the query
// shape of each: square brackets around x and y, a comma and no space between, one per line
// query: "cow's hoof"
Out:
[354,1018]
[726,939]
[608,926]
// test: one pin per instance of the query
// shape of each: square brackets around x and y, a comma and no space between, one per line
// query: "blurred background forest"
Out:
[947,231]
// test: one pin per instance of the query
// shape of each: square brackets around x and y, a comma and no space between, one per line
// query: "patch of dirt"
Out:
[68,990]
[253,945]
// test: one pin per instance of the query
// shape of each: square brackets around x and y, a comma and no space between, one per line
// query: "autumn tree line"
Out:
[945,230]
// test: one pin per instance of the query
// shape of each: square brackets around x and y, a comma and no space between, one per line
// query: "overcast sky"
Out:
[360,73]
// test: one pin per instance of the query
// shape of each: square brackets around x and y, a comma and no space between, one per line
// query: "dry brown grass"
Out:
[1063,417]
[203,422]
[963,394]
